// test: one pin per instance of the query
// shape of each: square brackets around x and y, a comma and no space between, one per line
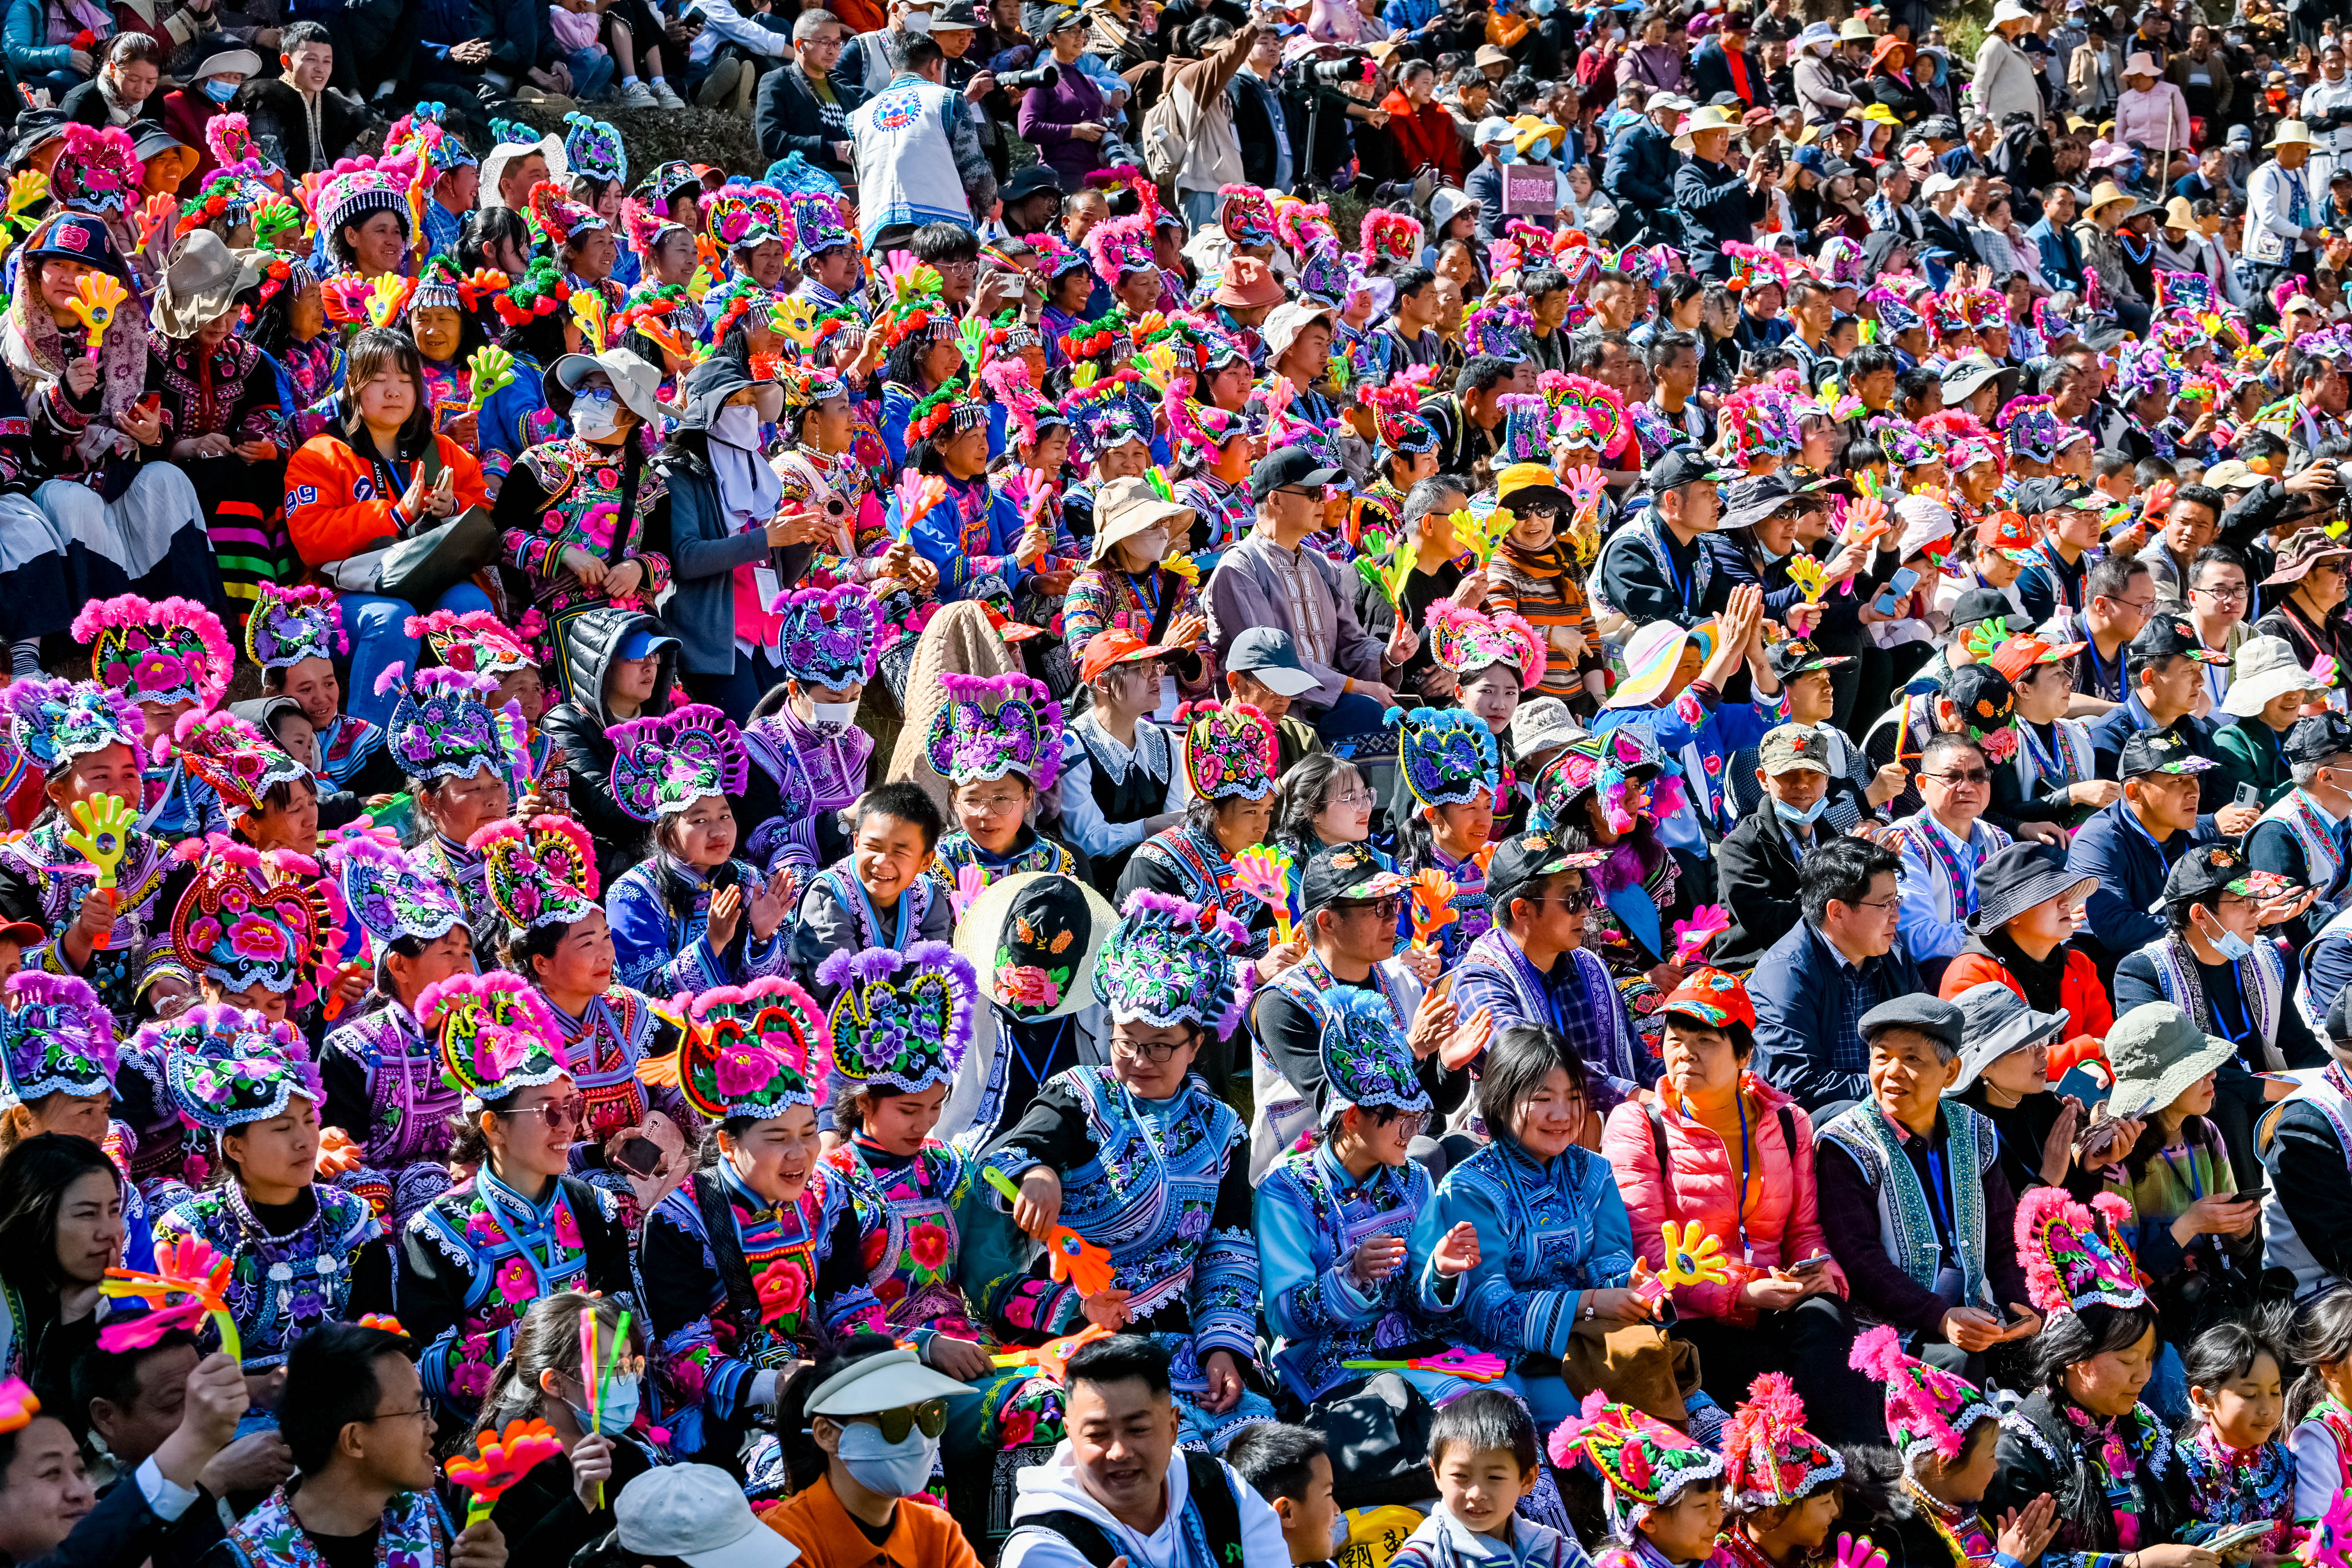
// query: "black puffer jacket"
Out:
[576,729]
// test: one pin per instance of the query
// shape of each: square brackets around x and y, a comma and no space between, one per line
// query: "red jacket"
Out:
[2088,1011]
[1783,1224]
[1425,136]
[334,508]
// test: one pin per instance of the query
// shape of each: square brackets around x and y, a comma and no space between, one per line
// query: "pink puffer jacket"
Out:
[1783,1221]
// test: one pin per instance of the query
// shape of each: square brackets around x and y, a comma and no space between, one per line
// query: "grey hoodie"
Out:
[1054,1487]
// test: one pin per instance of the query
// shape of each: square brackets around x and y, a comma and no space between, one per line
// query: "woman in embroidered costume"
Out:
[1125,586]
[442,319]
[57,1047]
[539,330]
[169,658]
[1213,454]
[1228,755]
[261,929]
[810,757]
[1780,1482]
[691,916]
[2238,1467]
[1331,1219]
[1664,1493]
[543,879]
[2082,1437]
[919,330]
[822,468]
[269,797]
[84,739]
[977,536]
[749,1266]
[478,643]
[294,635]
[900,1025]
[997,761]
[1142,1159]
[1552,1287]
[540,1380]
[381,1070]
[450,746]
[475,1259]
[302,1253]
[1449,761]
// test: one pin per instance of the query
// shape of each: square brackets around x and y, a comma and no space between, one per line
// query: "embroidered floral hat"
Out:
[664,763]
[171,650]
[231,755]
[827,638]
[1035,936]
[1499,329]
[1019,732]
[260,918]
[1928,1410]
[749,1050]
[1229,749]
[2033,429]
[1168,962]
[357,186]
[1643,1463]
[475,642]
[1712,998]
[1609,763]
[1769,1459]
[816,223]
[543,874]
[56,1038]
[496,1035]
[226,1067]
[1586,414]
[442,726]
[1396,414]
[291,625]
[388,891]
[1366,1063]
[99,170]
[743,217]
[1464,641]
[592,147]
[1525,435]
[54,722]
[1447,755]
[2075,1255]
[900,1018]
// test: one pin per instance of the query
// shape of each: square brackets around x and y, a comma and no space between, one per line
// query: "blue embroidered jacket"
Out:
[1548,1232]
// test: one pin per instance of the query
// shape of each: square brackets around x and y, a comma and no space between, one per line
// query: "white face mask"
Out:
[893,1470]
[833,718]
[595,415]
[738,425]
[918,22]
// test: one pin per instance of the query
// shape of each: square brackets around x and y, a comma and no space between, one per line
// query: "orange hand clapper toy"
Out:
[97,296]
[1075,1260]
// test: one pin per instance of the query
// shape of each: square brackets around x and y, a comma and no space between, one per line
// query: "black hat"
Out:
[2166,636]
[1291,466]
[1982,695]
[1981,604]
[954,14]
[1795,656]
[1749,502]
[2317,739]
[1930,1015]
[35,129]
[1030,180]
[2204,872]
[2338,1025]
[2013,879]
[1686,465]
[1347,872]
[2159,751]
[2051,493]
[1527,857]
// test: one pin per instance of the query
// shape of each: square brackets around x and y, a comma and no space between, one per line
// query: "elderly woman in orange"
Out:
[1719,1155]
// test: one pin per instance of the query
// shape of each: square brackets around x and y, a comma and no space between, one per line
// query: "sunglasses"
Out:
[929,1418]
[555,1113]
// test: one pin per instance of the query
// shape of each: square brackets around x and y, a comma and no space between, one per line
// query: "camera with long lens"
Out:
[1046,74]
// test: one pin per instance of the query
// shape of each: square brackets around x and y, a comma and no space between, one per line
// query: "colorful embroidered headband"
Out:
[663,763]
[827,636]
[389,891]
[251,917]
[1447,755]
[54,722]
[1021,734]
[475,642]
[1928,1410]
[592,147]
[1464,641]
[753,1051]
[226,1067]
[56,1037]
[1644,1464]
[291,625]
[903,1020]
[496,1035]
[544,874]
[1169,961]
[1366,1063]
[2075,1256]
[442,726]
[164,652]
[1229,749]
[232,756]
[1769,1459]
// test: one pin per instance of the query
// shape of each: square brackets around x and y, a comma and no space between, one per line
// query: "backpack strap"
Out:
[1086,1537]
[1213,1493]
[1666,1162]
[1788,1119]
[718,1227]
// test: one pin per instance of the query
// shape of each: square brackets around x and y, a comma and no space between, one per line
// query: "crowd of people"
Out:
[1367,783]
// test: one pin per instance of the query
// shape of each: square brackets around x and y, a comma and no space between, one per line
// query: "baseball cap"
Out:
[2231,474]
[2022,653]
[644,642]
[1793,748]
[1291,468]
[1795,656]
[1347,872]
[2159,751]
[2205,872]
[1981,604]
[1681,466]
[2008,535]
[2166,636]
[698,1513]
[24,934]
[1114,646]
[1530,856]
[1268,653]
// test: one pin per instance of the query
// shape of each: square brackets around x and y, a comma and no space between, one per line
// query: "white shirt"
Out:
[1054,1485]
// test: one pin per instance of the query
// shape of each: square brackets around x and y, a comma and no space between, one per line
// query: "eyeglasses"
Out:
[556,1112]
[931,1417]
[1412,1123]
[1354,797]
[1578,901]
[1880,905]
[1386,909]
[1959,776]
[2222,595]
[2136,606]
[424,1410]
[1154,1052]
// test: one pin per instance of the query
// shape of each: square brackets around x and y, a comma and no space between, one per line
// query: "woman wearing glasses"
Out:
[750,1266]
[300,1253]
[566,1500]
[1141,1159]
[2303,594]
[1942,844]
[475,1259]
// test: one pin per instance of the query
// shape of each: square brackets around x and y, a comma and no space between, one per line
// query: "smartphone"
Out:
[151,404]
[1886,603]
[1805,1263]
[2248,795]
[1903,581]
[638,1156]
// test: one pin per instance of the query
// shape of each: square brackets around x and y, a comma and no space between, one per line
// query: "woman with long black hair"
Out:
[61,1228]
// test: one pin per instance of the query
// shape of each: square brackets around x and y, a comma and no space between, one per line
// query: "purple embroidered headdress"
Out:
[227,1066]
[442,727]
[388,891]
[1020,732]
[56,1037]
[169,651]
[903,1020]
[665,763]
[54,722]
[827,638]
[291,625]
[1169,961]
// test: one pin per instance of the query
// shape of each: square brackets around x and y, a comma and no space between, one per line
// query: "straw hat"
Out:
[2107,194]
[202,278]
[2293,134]
[1707,118]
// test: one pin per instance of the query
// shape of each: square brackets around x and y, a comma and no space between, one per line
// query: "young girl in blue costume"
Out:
[448,745]
[691,916]
[1141,1159]
[1448,760]
[749,1265]
[475,1259]
[901,1024]
[542,878]
[301,1253]
[85,738]
[997,759]
[1332,1219]
[1228,753]
[381,1070]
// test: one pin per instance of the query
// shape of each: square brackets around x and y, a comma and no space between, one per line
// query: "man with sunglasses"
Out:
[1353,905]
[877,1414]
[1532,967]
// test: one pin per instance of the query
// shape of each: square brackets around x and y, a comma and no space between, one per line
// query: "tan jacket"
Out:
[1196,96]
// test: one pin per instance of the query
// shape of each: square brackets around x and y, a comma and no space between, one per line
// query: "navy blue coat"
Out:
[1800,989]
[2130,868]
[1716,209]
